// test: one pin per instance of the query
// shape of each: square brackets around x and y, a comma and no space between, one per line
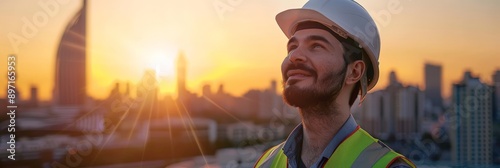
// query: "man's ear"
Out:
[355,72]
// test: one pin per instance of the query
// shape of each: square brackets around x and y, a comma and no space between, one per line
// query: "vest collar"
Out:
[294,142]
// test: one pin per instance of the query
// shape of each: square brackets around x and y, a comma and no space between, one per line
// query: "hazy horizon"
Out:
[242,47]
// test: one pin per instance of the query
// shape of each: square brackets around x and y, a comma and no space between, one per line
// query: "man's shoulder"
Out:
[399,160]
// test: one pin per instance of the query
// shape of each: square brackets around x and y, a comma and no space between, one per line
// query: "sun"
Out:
[164,66]
[162,62]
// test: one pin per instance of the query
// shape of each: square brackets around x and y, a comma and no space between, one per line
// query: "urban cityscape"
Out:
[136,126]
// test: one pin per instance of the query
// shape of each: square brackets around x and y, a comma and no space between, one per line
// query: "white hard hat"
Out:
[346,18]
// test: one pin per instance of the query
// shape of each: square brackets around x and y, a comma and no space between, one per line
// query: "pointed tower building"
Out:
[70,73]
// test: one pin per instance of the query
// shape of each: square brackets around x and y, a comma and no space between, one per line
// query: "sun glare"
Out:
[163,64]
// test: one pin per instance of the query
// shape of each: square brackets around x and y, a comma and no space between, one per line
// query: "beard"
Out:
[320,95]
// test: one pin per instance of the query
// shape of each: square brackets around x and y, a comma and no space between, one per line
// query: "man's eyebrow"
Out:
[311,38]
[318,38]
[292,40]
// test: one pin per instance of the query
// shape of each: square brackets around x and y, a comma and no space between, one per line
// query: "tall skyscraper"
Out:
[372,115]
[270,103]
[127,89]
[410,113]
[471,122]
[70,73]
[207,91]
[395,112]
[392,103]
[34,96]
[181,77]
[496,96]
[433,84]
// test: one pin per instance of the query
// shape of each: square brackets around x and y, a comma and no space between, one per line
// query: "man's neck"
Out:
[319,129]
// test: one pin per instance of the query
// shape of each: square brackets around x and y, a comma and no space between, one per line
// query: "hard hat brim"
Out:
[289,19]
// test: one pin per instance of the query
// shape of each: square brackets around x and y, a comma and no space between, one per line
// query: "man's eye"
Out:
[291,48]
[317,46]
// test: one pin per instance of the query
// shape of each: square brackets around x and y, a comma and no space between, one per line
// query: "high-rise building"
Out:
[370,115]
[395,112]
[206,91]
[34,96]
[410,113]
[127,89]
[270,103]
[471,122]
[433,84]
[70,73]
[392,102]
[496,96]
[181,77]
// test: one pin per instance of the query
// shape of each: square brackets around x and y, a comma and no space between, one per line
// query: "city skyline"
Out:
[160,81]
[236,55]
[206,85]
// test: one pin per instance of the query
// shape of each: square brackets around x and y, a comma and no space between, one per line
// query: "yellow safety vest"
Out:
[360,149]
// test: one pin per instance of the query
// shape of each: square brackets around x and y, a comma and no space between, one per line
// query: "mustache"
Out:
[298,66]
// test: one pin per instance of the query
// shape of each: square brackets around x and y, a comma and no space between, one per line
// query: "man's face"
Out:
[314,70]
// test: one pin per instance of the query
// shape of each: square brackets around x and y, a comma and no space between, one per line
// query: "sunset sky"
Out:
[243,46]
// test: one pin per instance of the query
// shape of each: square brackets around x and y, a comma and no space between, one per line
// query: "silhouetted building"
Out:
[181,77]
[471,122]
[433,85]
[33,96]
[270,103]
[496,96]
[397,111]
[372,116]
[391,98]
[221,89]
[127,89]
[115,92]
[70,74]
[410,113]
[206,90]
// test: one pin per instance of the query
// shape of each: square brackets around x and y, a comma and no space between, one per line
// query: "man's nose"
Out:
[297,56]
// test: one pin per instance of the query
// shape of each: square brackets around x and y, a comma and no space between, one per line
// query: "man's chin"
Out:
[306,97]
[297,96]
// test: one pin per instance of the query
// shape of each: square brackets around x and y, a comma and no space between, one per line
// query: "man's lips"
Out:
[297,74]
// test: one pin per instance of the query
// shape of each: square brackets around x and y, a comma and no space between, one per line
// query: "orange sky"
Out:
[243,46]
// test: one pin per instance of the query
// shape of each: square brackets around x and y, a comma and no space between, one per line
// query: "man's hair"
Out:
[352,52]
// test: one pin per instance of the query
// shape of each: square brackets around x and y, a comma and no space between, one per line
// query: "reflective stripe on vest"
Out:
[268,159]
[358,150]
